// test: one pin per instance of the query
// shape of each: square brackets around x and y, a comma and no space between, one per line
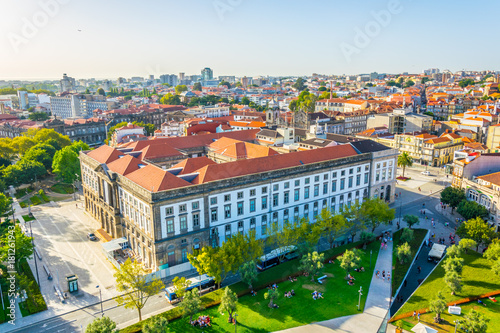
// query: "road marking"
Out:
[65,323]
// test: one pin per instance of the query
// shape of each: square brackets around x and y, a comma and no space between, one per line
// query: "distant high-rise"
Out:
[170,79]
[207,74]
[245,81]
[151,77]
[78,106]
[67,84]
[181,76]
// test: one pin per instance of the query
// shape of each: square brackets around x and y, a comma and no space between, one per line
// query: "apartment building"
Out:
[166,211]
[78,106]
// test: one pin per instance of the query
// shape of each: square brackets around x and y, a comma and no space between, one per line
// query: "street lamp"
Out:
[360,291]
[100,297]
[371,251]
[235,323]
[456,323]
[36,265]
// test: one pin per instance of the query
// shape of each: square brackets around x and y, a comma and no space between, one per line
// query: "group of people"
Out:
[361,269]
[315,294]
[290,293]
[273,286]
[383,275]
[350,279]
[292,279]
[202,321]
[253,293]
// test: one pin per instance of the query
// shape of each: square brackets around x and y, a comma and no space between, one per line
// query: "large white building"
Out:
[78,106]
[166,212]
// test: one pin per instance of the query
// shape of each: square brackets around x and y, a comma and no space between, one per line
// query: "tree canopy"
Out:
[478,230]
[405,160]
[452,196]
[471,209]
[299,84]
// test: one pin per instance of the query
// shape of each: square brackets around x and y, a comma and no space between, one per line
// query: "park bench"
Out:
[59,294]
[320,279]
[38,253]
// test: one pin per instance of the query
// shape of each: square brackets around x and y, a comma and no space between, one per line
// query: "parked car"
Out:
[426,173]
[91,236]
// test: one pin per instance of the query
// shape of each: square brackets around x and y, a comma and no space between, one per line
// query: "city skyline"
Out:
[107,40]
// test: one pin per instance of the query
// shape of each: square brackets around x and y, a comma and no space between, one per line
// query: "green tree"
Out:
[403,253]
[149,128]
[454,281]
[156,324]
[454,264]
[170,99]
[101,325]
[229,303]
[411,220]
[180,89]
[366,237]
[405,160]
[438,306]
[206,261]
[180,285]
[466,244]
[312,263]
[131,282]
[43,153]
[101,91]
[310,233]
[477,230]
[454,251]
[45,134]
[245,101]
[7,150]
[299,84]
[375,212]
[285,237]
[21,144]
[406,235]
[331,226]
[452,196]
[28,170]
[475,322]
[225,83]
[493,254]
[471,209]
[66,165]
[271,295]
[248,273]
[5,205]
[78,146]
[350,260]
[409,83]
[466,82]
[38,116]
[22,243]
[197,86]
[191,304]
[353,221]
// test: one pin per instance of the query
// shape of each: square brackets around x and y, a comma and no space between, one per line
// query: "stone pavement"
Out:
[376,306]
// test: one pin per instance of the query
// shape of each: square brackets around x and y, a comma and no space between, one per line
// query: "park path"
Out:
[376,306]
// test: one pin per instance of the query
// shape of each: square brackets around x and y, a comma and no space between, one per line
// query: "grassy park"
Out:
[491,311]
[477,279]
[399,270]
[254,315]
[63,188]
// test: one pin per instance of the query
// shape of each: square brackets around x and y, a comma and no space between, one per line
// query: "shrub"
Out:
[406,236]
[35,302]
[35,200]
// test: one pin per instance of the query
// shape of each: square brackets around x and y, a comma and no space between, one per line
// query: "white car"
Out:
[426,173]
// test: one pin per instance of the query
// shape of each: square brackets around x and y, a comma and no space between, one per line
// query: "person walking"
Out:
[414,314]
[419,269]
[418,315]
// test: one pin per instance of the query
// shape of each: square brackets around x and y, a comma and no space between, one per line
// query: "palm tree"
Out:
[405,160]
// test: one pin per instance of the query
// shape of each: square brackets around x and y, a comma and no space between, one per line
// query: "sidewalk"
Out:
[376,306]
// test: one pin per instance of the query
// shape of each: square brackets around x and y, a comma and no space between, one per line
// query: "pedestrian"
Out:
[418,315]
[388,276]
[398,225]
[385,246]
[383,275]
[414,314]
[419,269]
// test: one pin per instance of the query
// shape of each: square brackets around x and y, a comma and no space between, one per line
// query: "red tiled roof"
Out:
[189,165]
[125,165]
[155,179]
[282,161]
[105,154]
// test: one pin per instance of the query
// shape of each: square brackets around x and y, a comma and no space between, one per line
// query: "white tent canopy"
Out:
[421,328]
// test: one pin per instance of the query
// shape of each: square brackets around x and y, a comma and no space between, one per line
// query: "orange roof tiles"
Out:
[155,179]
[190,165]
[105,154]
[125,165]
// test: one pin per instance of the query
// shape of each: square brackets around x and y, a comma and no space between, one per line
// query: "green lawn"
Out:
[399,270]
[62,188]
[28,218]
[477,279]
[44,197]
[490,311]
[254,315]
[20,193]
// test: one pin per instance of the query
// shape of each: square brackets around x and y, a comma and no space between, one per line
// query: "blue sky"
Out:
[243,37]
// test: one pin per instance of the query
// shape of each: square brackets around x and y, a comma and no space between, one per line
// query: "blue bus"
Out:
[276,256]
[207,284]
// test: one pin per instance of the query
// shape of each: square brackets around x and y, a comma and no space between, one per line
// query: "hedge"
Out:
[35,302]
[35,200]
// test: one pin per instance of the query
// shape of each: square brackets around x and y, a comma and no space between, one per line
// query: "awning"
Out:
[421,328]
[114,245]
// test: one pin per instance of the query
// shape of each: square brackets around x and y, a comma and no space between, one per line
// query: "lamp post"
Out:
[35,256]
[235,323]
[400,207]
[371,251]
[100,298]
[360,291]
[456,323]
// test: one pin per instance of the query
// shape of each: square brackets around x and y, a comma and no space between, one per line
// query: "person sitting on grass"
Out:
[350,282]
[481,302]
[350,277]
[292,292]
[253,293]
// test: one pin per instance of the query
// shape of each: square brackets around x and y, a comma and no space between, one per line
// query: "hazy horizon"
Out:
[42,39]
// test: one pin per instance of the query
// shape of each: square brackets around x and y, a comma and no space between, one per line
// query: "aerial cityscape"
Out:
[227,165]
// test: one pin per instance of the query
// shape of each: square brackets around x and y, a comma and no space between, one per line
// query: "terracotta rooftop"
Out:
[155,179]
[105,154]
[190,165]
[493,178]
